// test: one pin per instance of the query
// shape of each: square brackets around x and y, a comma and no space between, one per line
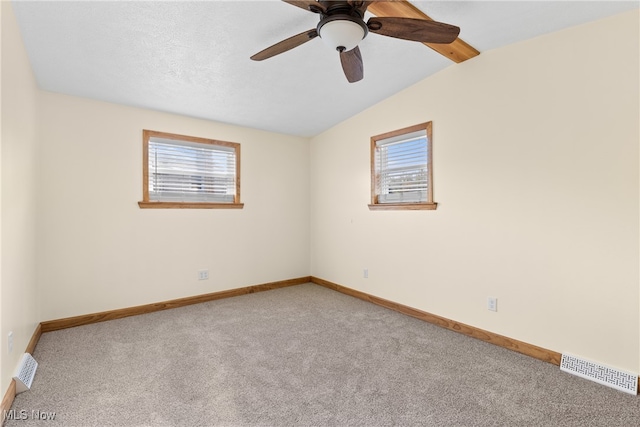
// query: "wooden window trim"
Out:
[146,203]
[189,205]
[403,207]
[430,204]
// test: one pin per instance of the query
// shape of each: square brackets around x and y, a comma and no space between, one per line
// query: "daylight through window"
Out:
[401,176]
[181,171]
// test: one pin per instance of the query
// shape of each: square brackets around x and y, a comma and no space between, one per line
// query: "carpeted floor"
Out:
[299,356]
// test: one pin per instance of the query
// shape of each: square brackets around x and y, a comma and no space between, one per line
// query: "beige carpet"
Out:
[300,356]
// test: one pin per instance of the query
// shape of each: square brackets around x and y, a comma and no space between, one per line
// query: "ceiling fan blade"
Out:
[310,5]
[286,45]
[352,64]
[419,30]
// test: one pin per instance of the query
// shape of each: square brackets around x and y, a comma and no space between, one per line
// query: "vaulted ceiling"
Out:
[192,58]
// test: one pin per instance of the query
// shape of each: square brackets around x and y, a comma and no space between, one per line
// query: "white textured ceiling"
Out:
[192,58]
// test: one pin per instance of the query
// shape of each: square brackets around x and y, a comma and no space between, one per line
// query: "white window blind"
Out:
[401,168]
[185,171]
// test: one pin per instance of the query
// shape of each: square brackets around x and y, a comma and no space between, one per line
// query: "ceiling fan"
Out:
[342,27]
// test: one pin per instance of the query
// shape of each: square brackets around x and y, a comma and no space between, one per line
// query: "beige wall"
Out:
[18,195]
[74,240]
[536,174]
[98,250]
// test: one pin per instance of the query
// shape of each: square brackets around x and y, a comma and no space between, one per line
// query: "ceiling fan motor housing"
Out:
[341,27]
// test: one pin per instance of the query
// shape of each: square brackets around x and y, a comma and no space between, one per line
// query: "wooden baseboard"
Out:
[86,319]
[509,343]
[69,322]
[34,339]
[502,341]
[7,401]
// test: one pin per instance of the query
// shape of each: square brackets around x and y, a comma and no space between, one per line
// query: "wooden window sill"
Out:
[189,205]
[403,206]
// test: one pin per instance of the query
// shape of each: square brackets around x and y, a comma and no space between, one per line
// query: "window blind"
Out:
[401,163]
[184,171]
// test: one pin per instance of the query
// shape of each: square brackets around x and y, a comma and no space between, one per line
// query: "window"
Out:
[187,172]
[401,173]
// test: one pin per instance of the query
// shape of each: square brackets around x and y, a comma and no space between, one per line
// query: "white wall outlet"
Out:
[203,274]
[10,342]
[492,304]
[365,273]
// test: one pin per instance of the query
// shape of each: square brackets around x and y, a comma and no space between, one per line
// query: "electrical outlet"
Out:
[10,342]
[365,273]
[492,304]
[203,275]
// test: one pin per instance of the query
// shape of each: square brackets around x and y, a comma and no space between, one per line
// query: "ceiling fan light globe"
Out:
[341,34]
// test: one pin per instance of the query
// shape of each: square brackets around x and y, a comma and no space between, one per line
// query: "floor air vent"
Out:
[602,374]
[25,373]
